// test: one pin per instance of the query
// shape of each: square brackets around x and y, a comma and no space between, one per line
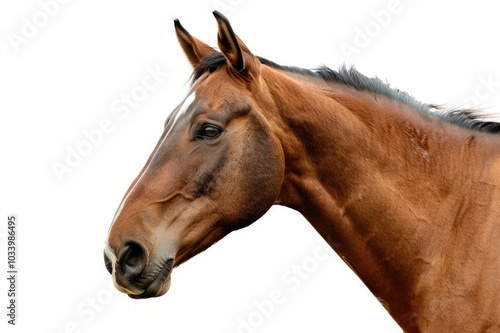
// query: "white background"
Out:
[64,80]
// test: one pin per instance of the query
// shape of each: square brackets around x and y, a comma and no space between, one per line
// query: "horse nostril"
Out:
[133,260]
[108,264]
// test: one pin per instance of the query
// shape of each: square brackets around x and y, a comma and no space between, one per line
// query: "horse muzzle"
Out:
[133,275]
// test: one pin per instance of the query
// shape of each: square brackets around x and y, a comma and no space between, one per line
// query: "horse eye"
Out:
[210,132]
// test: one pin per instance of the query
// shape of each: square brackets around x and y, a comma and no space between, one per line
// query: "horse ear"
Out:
[236,52]
[194,49]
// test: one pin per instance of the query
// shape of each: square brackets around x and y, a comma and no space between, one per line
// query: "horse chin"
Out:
[156,289]
[155,281]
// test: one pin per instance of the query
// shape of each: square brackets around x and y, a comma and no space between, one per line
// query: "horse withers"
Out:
[408,194]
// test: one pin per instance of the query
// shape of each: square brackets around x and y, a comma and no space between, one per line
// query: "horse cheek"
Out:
[262,173]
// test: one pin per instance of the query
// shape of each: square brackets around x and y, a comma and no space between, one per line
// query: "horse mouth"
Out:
[156,282]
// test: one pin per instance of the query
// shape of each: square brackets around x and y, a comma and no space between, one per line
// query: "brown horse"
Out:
[407,195]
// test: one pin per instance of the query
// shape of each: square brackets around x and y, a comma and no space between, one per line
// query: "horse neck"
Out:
[372,176]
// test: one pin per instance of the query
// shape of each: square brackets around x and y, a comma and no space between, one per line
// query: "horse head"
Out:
[216,168]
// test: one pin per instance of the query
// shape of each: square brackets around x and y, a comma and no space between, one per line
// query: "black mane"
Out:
[466,118]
